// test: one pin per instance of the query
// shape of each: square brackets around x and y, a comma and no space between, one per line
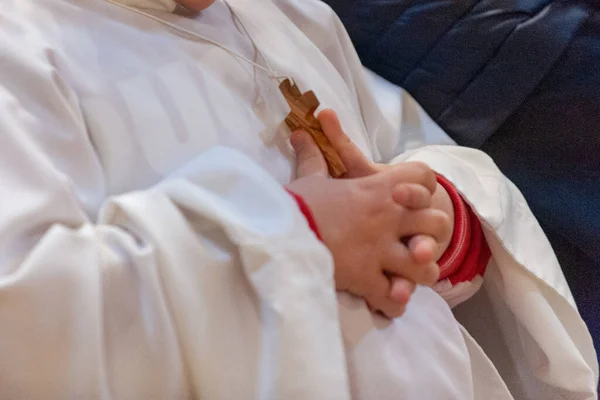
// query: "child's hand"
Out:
[363,221]
[424,248]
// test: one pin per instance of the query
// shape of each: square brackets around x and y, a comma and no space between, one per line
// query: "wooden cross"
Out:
[302,117]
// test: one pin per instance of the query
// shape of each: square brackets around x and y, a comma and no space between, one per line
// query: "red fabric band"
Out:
[478,256]
[305,210]
[468,253]
[456,252]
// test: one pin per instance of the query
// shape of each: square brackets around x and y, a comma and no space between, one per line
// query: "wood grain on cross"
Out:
[301,116]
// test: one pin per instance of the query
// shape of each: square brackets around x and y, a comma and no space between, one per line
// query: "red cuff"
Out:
[306,211]
[478,256]
[468,253]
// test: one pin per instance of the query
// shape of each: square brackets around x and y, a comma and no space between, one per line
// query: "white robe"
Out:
[149,251]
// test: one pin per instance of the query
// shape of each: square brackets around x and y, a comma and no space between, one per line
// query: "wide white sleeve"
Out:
[525,318]
[208,285]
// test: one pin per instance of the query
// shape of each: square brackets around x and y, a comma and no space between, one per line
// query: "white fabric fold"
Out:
[148,249]
[159,5]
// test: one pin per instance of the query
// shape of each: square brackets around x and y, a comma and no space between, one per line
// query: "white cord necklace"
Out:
[268,69]
[303,105]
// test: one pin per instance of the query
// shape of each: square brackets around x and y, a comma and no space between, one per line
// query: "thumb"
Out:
[354,160]
[309,159]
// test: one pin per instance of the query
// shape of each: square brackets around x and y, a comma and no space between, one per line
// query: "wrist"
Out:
[307,212]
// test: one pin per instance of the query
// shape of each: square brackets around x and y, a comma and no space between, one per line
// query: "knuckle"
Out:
[400,312]
[431,181]
[394,310]
[431,274]
[370,291]
[424,169]
[441,220]
[382,206]
[411,287]
[359,194]
[424,195]
[420,165]
[445,223]
[310,155]
[367,185]
[419,273]
[423,175]
[409,195]
[399,257]
[375,304]
[403,192]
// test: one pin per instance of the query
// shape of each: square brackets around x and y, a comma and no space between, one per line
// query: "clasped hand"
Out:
[378,222]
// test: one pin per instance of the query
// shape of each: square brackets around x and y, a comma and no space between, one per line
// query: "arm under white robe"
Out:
[189,289]
[549,352]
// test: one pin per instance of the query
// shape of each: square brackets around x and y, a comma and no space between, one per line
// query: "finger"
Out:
[427,221]
[423,248]
[354,160]
[393,310]
[401,289]
[412,172]
[309,159]
[379,300]
[372,287]
[412,195]
[398,261]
